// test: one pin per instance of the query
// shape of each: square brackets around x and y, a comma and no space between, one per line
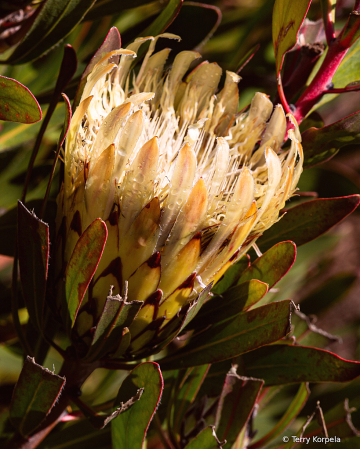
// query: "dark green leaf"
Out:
[111,42]
[117,315]
[284,364]
[35,394]
[245,332]
[33,245]
[291,413]
[202,17]
[56,20]
[309,220]
[272,265]
[206,439]
[8,224]
[236,403]
[232,275]
[17,103]
[129,429]
[196,306]
[186,393]
[109,7]
[82,266]
[321,144]
[286,22]
[161,23]
[235,300]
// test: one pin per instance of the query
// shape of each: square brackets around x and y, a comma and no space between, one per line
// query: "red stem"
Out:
[320,84]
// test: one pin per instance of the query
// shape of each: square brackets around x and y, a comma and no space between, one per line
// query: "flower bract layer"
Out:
[184,183]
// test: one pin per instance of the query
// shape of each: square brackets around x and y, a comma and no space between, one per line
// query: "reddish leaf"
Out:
[35,394]
[17,103]
[309,220]
[242,333]
[129,429]
[33,244]
[272,265]
[284,364]
[236,403]
[321,144]
[82,266]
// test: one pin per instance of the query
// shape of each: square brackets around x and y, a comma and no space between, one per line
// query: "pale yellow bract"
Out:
[174,172]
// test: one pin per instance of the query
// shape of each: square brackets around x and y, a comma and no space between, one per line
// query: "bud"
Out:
[184,183]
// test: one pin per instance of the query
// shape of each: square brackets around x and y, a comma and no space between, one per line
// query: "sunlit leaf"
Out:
[129,429]
[17,103]
[287,19]
[82,266]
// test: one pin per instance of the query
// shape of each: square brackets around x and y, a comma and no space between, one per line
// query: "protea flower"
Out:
[184,183]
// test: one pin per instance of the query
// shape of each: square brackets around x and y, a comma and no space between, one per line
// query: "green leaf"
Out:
[55,21]
[186,393]
[234,301]
[321,144]
[33,245]
[129,429]
[196,306]
[82,266]
[309,220]
[291,413]
[232,275]
[35,394]
[234,336]
[8,225]
[206,439]
[111,42]
[160,24]
[236,403]
[202,17]
[272,265]
[17,103]
[117,315]
[286,22]
[284,364]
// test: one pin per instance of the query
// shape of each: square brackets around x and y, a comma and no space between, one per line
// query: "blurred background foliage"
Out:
[324,278]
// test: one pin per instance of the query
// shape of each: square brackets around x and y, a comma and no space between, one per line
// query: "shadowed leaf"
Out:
[82,266]
[17,103]
[245,332]
[284,364]
[321,144]
[129,429]
[235,300]
[232,275]
[35,394]
[56,20]
[33,244]
[309,220]
[237,400]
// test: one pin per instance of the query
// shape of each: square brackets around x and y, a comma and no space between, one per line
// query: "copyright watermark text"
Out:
[314,439]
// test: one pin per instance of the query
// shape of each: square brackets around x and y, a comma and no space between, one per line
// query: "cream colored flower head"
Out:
[184,182]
